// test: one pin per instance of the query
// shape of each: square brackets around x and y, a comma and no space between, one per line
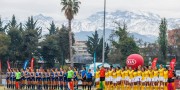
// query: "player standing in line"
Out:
[22,78]
[118,72]
[56,78]
[151,77]
[161,76]
[165,78]
[33,81]
[123,78]
[106,79]
[97,78]
[139,77]
[147,78]
[131,77]
[65,79]
[126,81]
[143,78]
[61,78]
[110,78]
[83,76]
[114,75]
[75,77]
[8,78]
[89,79]
[135,80]
[155,78]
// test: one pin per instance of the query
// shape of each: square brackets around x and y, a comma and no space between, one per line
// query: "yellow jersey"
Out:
[114,75]
[143,75]
[139,72]
[161,72]
[107,74]
[135,74]
[151,74]
[146,73]
[126,73]
[118,73]
[156,73]
[131,74]
[110,73]
[166,74]
[122,74]
[98,74]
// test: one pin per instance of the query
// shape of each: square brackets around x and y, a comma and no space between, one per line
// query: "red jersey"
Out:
[102,72]
[170,74]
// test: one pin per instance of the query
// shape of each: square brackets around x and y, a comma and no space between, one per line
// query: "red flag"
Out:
[32,63]
[8,64]
[154,62]
[172,63]
[0,66]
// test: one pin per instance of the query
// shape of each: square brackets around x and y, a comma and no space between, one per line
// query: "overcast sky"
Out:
[25,8]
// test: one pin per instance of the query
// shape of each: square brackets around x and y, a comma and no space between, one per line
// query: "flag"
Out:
[0,66]
[25,64]
[32,63]
[172,63]
[154,62]
[8,64]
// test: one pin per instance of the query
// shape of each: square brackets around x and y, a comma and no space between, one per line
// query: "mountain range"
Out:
[142,25]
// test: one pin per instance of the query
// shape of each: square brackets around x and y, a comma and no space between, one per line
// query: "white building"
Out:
[81,54]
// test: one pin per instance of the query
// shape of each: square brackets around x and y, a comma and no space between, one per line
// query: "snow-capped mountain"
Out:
[142,23]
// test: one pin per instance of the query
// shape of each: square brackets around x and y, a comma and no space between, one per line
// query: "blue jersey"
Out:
[83,73]
[89,75]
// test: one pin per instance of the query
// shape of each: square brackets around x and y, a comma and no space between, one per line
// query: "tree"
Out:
[52,29]
[162,39]
[4,46]
[16,40]
[94,44]
[70,8]
[55,47]
[32,34]
[50,49]
[125,43]
[2,29]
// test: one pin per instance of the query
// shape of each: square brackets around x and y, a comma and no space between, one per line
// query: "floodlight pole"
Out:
[103,56]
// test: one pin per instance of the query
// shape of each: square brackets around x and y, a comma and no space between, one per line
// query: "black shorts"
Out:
[84,79]
[170,80]
[69,79]
[89,80]
[18,80]
[102,78]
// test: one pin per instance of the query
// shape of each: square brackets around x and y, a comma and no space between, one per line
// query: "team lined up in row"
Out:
[142,76]
[50,78]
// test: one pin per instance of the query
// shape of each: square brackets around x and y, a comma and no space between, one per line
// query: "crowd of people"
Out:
[126,78]
[49,79]
[113,78]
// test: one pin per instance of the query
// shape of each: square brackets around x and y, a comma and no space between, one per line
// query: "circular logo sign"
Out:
[131,61]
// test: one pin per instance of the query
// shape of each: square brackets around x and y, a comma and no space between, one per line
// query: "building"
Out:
[174,37]
[81,54]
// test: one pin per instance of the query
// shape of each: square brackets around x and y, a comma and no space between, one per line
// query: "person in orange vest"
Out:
[171,77]
[102,77]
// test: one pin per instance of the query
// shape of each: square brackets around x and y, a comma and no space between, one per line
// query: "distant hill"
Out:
[83,35]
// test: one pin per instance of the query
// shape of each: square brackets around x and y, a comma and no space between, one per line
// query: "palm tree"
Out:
[70,8]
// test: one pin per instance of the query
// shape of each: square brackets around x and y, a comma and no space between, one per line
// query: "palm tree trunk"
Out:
[70,43]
